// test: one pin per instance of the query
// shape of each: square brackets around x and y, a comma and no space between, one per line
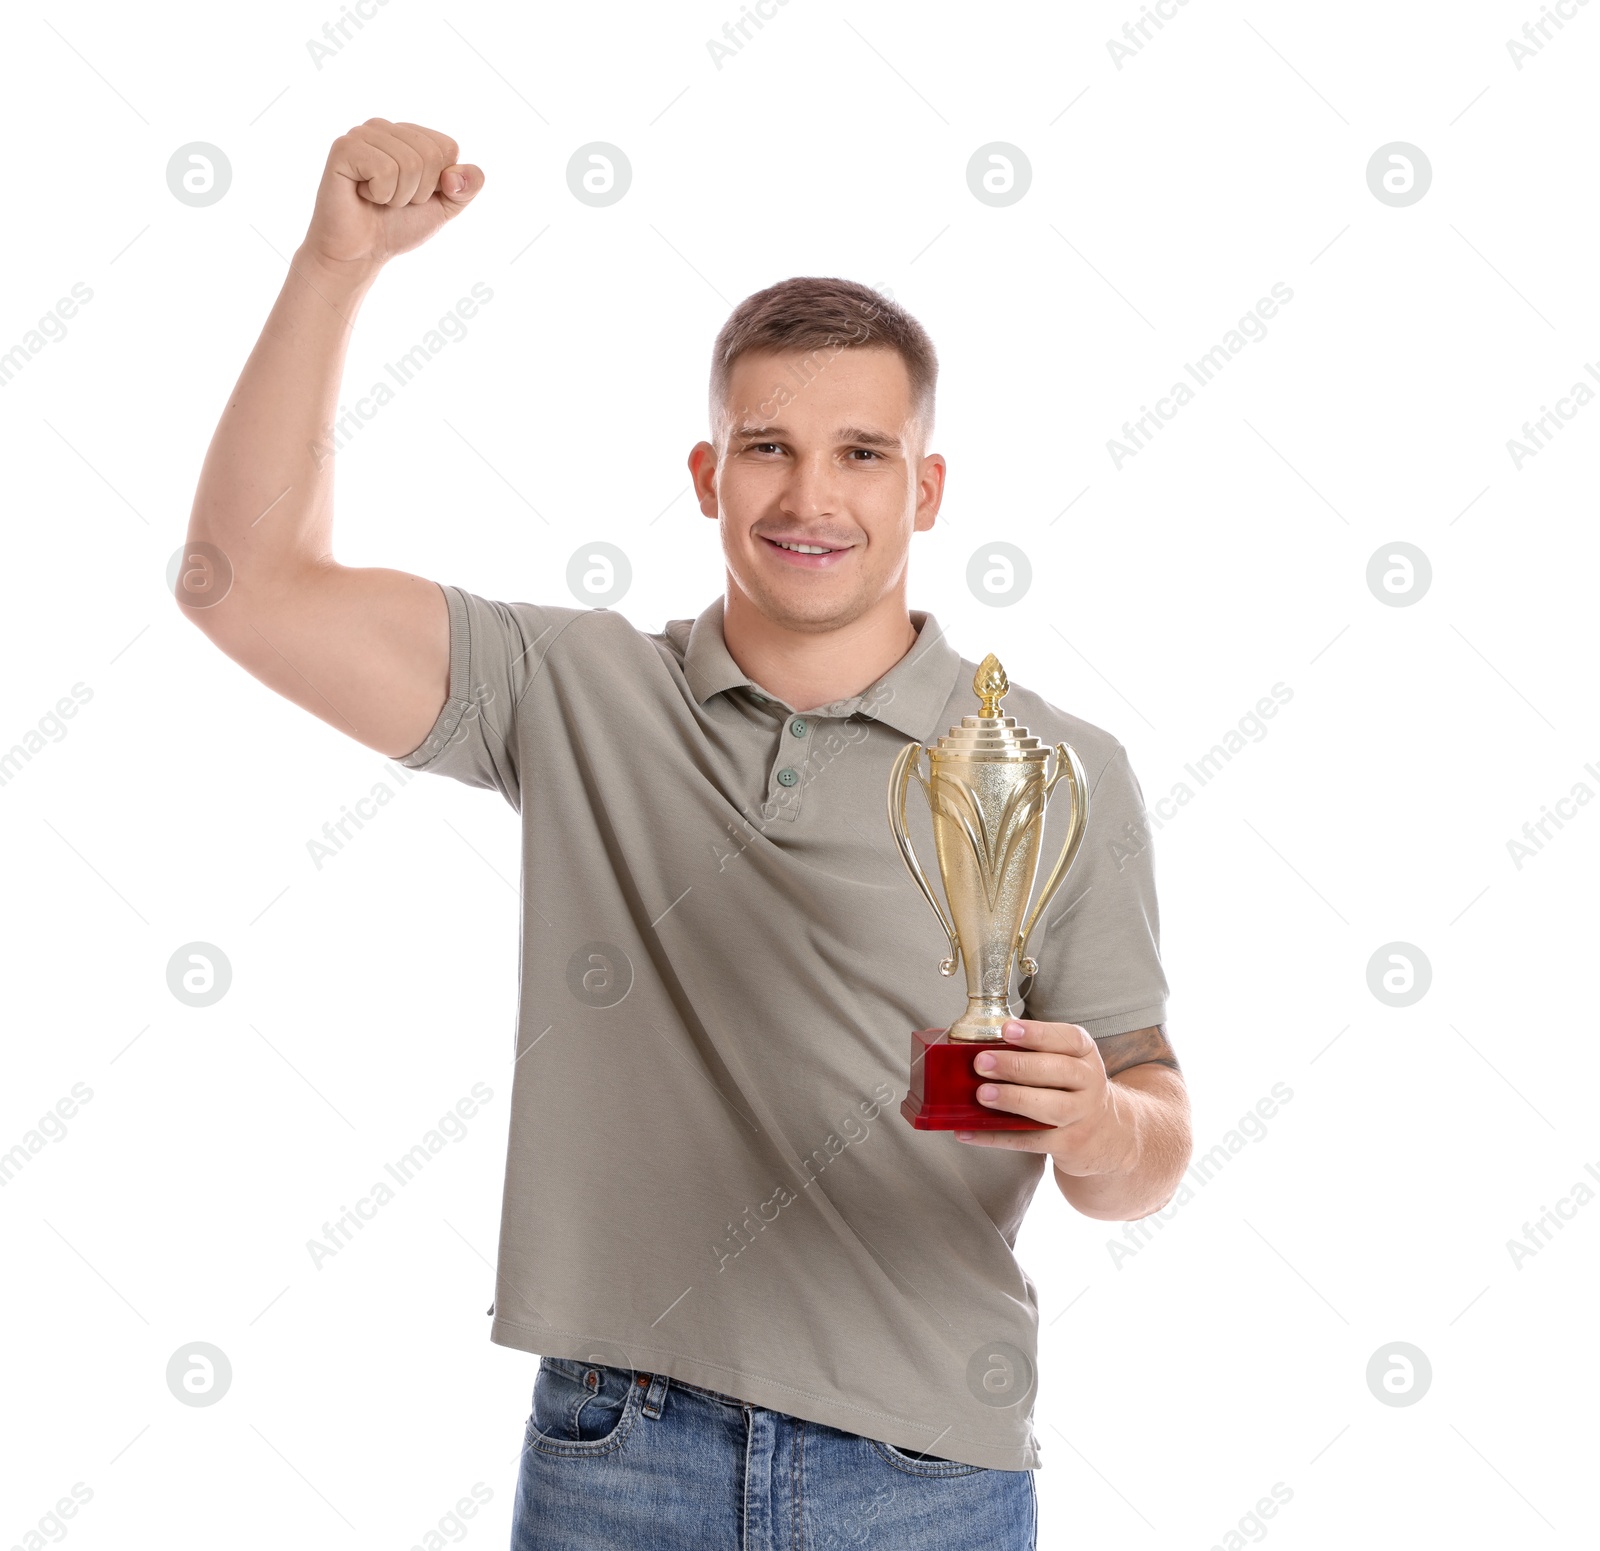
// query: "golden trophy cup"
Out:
[987,791]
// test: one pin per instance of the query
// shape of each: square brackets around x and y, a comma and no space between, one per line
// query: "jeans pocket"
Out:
[581,1408]
[918,1464]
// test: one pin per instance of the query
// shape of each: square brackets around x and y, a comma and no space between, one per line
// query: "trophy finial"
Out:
[989,684]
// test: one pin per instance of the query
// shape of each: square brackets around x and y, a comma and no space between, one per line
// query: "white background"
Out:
[1168,596]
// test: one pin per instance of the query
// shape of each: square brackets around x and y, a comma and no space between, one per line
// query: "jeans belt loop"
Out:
[655,1395]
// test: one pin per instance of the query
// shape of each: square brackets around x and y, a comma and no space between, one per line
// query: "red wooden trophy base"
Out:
[944,1088]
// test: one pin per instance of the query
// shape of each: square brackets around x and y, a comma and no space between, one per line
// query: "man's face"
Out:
[818,448]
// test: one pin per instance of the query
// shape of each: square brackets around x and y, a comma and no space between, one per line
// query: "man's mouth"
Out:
[804,552]
[805,549]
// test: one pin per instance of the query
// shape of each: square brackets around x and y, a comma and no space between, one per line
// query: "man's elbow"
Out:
[199,577]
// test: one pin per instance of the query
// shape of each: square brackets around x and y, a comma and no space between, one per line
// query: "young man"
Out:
[771,1313]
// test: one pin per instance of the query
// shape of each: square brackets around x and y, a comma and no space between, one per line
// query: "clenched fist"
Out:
[386,188]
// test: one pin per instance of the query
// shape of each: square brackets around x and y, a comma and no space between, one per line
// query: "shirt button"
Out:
[798,726]
[788,776]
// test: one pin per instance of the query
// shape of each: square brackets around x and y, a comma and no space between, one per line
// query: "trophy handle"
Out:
[908,763]
[1067,763]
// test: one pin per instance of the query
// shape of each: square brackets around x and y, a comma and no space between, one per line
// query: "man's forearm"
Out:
[265,495]
[1154,1108]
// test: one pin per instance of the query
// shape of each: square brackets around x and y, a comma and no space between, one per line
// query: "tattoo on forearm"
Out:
[1120,1051]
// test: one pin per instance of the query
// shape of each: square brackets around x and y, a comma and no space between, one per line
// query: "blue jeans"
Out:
[619,1461]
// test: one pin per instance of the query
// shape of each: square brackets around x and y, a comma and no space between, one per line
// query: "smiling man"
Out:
[769,1312]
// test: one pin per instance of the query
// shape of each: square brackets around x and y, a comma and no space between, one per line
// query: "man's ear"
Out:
[930,491]
[703,472]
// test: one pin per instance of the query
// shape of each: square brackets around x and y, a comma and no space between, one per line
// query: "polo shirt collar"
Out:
[921,682]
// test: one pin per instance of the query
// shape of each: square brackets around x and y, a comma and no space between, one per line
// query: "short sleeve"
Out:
[496,649]
[1098,944]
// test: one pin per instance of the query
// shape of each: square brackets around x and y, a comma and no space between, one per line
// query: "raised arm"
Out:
[365,648]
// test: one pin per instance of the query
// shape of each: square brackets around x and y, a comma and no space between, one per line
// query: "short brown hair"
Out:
[810,312]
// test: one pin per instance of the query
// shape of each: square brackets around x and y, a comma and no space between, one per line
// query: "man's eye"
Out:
[869,452]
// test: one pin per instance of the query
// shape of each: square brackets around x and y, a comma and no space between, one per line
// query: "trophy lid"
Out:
[989,735]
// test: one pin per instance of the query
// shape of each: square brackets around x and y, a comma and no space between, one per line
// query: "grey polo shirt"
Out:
[722,961]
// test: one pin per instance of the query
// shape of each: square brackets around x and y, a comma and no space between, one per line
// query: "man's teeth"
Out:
[803,549]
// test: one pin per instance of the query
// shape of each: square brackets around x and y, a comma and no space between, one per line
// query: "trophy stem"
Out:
[982,1021]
